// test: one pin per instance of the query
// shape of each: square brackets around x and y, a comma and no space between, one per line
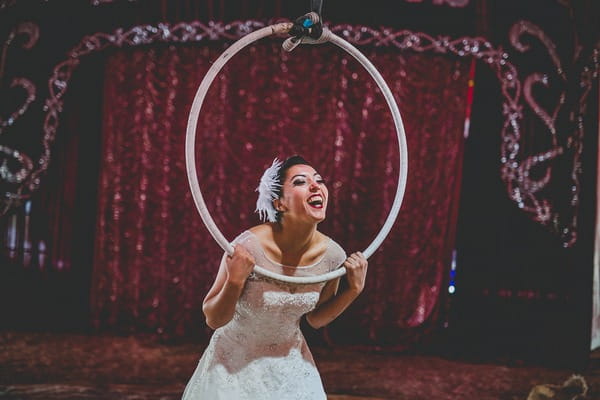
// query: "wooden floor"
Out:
[79,367]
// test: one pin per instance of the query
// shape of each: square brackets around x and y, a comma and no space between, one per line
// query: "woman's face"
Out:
[304,195]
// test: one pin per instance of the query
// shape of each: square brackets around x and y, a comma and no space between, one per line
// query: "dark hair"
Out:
[287,164]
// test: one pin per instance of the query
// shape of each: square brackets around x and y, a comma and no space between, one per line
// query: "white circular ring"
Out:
[190,156]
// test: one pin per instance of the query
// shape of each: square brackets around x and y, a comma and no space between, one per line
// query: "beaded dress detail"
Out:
[261,353]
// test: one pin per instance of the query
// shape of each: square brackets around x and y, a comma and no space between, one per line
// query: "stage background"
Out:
[111,242]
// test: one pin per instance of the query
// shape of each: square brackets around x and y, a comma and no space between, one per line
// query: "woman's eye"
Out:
[298,182]
[321,181]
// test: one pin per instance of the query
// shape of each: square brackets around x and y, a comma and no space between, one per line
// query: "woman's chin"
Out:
[319,217]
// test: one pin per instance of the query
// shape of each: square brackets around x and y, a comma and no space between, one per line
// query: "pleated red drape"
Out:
[155,260]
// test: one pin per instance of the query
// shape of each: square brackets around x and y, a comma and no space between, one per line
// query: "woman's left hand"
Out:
[356,271]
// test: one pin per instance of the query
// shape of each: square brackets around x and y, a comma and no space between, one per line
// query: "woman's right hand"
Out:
[239,265]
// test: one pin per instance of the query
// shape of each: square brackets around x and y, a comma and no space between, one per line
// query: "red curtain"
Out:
[155,260]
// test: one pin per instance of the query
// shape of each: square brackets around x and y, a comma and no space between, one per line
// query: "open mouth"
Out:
[315,201]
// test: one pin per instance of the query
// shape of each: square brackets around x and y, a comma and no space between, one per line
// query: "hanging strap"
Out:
[307,28]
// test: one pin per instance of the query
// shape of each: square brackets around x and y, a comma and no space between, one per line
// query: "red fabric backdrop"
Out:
[155,260]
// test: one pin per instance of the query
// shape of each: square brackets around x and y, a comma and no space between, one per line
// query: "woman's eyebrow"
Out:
[304,175]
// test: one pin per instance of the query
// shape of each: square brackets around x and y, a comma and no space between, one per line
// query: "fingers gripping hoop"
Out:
[190,158]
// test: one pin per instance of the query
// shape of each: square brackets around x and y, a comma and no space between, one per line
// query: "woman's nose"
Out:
[314,186]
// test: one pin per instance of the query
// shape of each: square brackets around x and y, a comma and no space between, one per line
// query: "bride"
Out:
[257,350]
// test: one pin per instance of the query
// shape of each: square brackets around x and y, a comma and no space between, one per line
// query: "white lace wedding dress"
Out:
[261,353]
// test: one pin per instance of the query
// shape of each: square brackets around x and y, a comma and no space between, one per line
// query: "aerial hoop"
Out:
[290,44]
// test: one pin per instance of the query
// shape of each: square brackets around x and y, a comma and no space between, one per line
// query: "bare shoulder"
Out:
[337,250]
[322,239]
[264,235]
[262,231]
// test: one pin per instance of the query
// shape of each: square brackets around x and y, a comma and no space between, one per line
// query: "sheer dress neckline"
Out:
[264,254]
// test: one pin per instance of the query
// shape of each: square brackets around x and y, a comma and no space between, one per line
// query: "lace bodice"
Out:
[272,309]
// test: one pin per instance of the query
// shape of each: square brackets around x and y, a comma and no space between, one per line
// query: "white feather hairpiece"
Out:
[267,189]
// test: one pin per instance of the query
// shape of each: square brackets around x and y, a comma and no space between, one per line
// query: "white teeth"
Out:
[315,200]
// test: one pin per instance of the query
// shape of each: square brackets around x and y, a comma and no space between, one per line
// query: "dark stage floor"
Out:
[67,366]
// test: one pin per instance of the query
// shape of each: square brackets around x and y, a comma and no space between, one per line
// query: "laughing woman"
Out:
[257,350]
